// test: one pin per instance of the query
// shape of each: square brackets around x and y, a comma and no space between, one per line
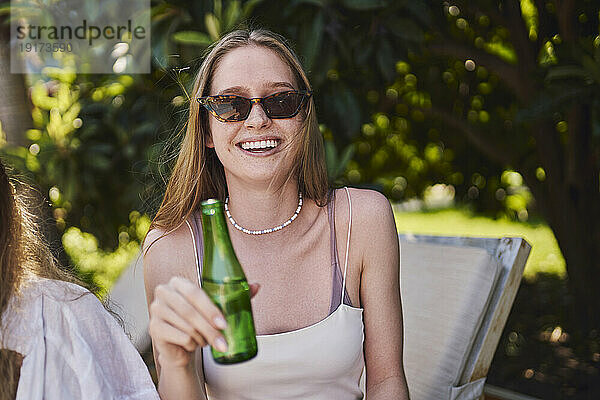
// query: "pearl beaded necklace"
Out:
[263,231]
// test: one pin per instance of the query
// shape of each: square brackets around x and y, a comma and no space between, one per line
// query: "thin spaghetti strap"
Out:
[196,257]
[347,241]
[333,247]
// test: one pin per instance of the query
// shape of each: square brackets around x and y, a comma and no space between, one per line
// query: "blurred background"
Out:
[474,118]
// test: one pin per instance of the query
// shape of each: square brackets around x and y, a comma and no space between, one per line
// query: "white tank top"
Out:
[321,361]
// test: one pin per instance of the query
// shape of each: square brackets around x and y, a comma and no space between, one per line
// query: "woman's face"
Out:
[253,71]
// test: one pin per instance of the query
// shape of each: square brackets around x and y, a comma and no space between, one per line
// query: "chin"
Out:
[266,177]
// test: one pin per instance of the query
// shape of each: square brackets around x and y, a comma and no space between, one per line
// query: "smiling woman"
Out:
[253,141]
[254,71]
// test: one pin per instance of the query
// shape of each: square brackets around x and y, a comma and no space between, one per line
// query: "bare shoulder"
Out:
[369,201]
[370,208]
[373,224]
[167,255]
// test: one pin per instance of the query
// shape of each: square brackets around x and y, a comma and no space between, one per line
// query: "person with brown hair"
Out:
[57,341]
[252,141]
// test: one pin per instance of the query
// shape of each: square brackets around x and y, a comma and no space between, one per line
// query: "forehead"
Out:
[252,67]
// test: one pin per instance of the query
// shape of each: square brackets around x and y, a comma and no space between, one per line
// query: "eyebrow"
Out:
[270,85]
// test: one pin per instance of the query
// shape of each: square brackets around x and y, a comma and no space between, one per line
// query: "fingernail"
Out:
[221,344]
[220,323]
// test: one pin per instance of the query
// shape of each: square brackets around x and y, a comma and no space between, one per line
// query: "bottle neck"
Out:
[220,261]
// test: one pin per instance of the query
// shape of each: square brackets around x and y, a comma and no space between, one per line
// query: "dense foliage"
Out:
[490,104]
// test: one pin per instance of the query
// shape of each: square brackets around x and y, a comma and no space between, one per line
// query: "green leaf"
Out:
[98,161]
[28,9]
[92,11]
[312,40]
[346,157]
[143,129]
[292,9]
[592,67]
[567,72]
[218,9]
[160,52]
[294,3]
[161,12]
[193,38]
[417,9]
[232,15]
[343,161]
[249,7]
[213,26]
[404,28]
[385,60]
[336,164]
[347,111]
[330,158]
[327,61]
[553,100]
[365,5]
[5,9]
[364,53]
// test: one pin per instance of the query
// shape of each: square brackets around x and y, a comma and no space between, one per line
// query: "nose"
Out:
[257,119]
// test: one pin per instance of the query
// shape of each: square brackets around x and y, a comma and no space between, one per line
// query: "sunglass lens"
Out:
[283,105]
[231,109]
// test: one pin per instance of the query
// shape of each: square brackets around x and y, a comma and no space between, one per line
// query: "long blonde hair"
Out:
[10,278]
[24,254]
[198,174]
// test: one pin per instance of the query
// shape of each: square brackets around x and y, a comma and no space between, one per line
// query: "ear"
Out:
[209,142]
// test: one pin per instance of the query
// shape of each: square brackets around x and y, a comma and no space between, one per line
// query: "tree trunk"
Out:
[15,115]
[570,200]
[579,244]
[580,238]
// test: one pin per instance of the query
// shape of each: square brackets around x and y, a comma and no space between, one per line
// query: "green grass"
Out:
[545,256]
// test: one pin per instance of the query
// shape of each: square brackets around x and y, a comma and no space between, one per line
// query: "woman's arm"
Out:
[168,260]
[182,316]
[380,295]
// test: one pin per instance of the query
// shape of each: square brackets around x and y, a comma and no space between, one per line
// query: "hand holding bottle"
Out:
[182,318]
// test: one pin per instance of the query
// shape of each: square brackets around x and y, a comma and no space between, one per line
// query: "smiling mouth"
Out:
[259,146]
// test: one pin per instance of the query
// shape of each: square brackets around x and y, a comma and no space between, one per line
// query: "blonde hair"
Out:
[24,255]
[198,174]
[10,278]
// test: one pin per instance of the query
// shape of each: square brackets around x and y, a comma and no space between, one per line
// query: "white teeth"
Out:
[260,144]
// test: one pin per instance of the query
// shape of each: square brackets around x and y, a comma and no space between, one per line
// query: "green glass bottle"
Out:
[224,282]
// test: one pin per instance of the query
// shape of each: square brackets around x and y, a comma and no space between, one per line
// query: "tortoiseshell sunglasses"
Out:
[231,108]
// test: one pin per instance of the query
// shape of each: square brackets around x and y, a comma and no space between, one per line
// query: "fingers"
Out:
[254,287]
[166,314]
[182,314]
[197,298]
[161,330]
